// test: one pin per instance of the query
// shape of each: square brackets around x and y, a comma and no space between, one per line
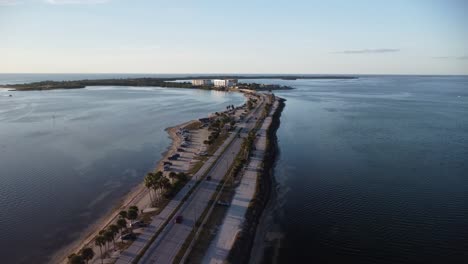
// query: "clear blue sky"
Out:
[155,36]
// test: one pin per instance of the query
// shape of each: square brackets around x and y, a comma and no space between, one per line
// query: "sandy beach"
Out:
[138,195]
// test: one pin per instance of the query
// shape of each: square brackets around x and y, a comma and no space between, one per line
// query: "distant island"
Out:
[215,82]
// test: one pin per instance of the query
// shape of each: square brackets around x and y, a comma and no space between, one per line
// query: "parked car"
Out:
[223,203]
[179,219]
[203,153]
[167,163]
[181,149]
[138,224]
[128,236]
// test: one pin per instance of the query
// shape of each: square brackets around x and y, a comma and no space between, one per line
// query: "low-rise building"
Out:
[201,82]
[225,83]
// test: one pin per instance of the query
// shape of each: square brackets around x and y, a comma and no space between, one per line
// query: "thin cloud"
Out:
[75,2]
[368,51]
[451,57]
[9,2]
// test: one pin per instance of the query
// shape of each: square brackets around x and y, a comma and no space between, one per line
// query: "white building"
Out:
[201,82]
[224,83]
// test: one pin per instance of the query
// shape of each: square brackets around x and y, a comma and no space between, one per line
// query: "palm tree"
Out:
[122,223]
[132,214]
[123,214]
[164,183]
[154,179]
[109,236]
[100,241]
[114,230]
[87,254]
[172,176]
[149,182]
[75,259]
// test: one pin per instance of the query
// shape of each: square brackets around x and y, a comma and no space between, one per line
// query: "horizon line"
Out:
[143,73]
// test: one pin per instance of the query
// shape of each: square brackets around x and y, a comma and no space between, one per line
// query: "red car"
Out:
[179,219]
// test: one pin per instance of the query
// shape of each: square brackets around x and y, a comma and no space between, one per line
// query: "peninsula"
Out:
[180,82]
[190,190]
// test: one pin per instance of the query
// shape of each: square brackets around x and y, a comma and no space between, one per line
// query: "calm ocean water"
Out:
[373,170]
[66,157]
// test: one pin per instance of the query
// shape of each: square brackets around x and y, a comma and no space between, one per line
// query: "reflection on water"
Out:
[68,156]
[373,170]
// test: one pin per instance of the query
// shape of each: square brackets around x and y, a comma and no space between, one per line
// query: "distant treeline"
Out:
[49,85]
[159,82]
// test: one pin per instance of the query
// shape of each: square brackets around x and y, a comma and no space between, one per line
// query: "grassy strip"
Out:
[217,143]
[161,228]
[208,233]
[180,255]
[240,252]
[246,148]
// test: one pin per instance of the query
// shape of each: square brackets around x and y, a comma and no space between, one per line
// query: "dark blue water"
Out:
[68,156]
[374,170]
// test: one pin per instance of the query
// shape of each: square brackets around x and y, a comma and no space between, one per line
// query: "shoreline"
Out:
[265,236]
[250,242]
[156,82]
[136,193]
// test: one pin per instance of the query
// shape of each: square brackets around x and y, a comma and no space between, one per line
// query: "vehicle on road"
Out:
[208,178]
[223,203]
[203,153]
[179,219]
[167,163]
[128,236]
[180,149]
[138,224]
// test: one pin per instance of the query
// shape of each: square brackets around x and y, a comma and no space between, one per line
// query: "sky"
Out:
[254,36]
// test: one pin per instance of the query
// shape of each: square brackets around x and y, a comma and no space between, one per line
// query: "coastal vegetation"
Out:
[207,225]
[161,82]
[263,87]
[162,188]
[240,251]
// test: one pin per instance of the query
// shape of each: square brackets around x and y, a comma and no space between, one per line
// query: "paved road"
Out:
[169,242]
[232,224]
